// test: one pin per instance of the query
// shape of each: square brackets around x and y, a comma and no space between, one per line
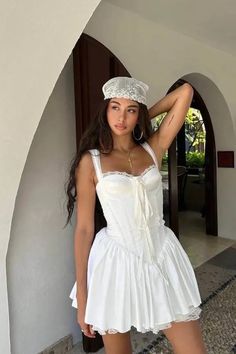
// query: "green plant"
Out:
[195,133]
[165,159]
[195,159]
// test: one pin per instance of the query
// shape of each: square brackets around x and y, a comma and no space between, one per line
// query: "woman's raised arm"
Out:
[176,103]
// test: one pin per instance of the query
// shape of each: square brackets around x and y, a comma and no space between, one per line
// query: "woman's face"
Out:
[122,115]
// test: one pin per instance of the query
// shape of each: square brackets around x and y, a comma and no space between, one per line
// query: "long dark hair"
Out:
[98,136]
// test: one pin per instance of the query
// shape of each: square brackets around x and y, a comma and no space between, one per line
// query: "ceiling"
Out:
[212,22]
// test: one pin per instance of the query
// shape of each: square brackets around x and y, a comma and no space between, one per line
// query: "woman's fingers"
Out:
[85,328]
[88,331]
[91,330]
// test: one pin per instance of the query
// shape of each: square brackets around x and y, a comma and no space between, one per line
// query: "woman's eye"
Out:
[132,110]
[115,107]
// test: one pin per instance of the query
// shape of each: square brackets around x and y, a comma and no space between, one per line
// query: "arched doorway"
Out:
[210,195]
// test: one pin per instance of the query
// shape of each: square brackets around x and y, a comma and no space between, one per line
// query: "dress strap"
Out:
[95,153]
[148,148]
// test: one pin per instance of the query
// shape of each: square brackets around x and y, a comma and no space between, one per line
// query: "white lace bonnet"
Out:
[125,87]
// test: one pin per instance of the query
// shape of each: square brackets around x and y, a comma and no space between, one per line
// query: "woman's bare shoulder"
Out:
[85,166]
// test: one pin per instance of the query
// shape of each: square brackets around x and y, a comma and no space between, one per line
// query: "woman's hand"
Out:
[85,328]
[82,300]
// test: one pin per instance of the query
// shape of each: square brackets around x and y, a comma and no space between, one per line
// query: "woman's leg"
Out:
[186,337]
[117,343]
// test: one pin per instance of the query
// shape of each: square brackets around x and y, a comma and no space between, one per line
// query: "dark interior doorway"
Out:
[178,145]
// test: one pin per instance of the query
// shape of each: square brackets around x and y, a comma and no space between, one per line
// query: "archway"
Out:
[40,264]
[210,101]
[210,195]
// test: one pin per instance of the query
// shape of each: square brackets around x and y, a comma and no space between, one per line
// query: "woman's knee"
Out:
[186,337]
[117,343]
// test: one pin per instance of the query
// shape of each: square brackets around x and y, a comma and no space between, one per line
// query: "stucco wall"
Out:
[159,56]
[36,40]
[40,262]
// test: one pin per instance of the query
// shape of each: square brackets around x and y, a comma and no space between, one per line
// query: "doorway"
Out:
[205,179]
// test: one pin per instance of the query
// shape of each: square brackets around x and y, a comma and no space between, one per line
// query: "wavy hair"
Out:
[98,136]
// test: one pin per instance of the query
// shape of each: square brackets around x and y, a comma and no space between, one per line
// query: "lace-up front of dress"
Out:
[134,261]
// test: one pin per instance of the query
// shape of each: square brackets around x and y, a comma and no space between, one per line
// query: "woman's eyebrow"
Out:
[115,102]
[132,105]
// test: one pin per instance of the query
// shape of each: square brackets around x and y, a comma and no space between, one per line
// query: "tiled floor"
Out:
[199,246]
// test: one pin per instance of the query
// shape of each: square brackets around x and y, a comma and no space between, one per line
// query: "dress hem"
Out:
[191,316]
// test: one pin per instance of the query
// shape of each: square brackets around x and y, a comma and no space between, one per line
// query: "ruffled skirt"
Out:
[119,297]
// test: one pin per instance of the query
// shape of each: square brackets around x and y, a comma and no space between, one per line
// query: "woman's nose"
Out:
[122,116]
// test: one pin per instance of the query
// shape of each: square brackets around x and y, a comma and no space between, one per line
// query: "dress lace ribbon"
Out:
[143,211]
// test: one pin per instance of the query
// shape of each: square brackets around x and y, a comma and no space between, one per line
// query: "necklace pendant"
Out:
[130,162]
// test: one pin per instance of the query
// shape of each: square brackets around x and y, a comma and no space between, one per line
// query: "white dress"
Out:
[138,273]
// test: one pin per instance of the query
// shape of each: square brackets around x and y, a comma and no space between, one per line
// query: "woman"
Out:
[135,272]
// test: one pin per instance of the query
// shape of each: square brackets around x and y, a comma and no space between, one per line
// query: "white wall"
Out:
[159,56]
[36,39]
[225,140]
[40,263]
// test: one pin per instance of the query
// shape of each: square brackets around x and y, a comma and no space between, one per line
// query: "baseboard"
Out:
[62,346]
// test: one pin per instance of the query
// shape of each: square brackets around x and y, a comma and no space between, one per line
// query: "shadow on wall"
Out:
[40,263]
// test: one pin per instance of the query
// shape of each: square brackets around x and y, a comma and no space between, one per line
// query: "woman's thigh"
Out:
[186,337]
[117,343]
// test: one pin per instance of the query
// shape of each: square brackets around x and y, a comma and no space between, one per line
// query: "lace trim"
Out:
[191,316]
[129,174]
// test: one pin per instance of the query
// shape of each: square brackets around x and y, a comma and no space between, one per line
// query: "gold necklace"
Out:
[129,160]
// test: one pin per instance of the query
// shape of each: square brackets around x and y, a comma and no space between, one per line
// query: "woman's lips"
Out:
[120,127]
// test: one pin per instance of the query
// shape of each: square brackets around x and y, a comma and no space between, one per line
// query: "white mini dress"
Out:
[138,272]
